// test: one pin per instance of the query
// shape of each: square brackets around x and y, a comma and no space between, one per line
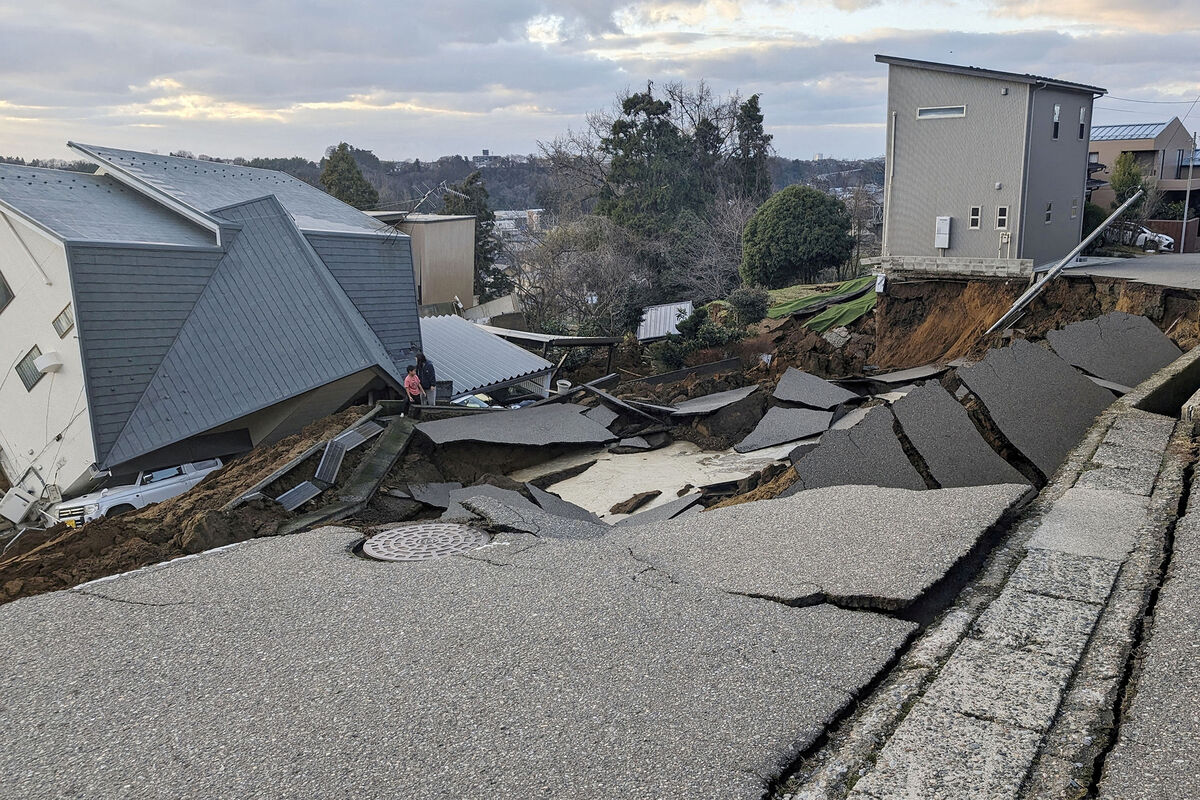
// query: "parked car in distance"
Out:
[1138,236]
[152,486]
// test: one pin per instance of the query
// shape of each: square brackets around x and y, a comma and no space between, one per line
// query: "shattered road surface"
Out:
[572,666]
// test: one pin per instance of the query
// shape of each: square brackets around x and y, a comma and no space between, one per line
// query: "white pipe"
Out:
[28,252]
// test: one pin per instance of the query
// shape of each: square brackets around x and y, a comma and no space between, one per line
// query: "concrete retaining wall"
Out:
[925,266]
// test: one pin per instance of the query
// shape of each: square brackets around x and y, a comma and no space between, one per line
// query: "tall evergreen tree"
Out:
[752,158]
[342,178]
[490,280]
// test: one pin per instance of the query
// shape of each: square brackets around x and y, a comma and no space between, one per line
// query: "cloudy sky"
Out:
[423,79]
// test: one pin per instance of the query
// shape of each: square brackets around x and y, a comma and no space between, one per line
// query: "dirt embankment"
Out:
[61,557]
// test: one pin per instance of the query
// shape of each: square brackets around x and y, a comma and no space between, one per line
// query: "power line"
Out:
[1151,102]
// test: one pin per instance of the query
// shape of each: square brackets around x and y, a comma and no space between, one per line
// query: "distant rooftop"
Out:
[210,185]
[1140,130]
[81,207]
[988,73]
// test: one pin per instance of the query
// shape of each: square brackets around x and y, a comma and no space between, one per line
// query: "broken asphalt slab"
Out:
[942,432]
[433,494]
[782,425]
[1117,347]
[855,545]
[867,454]
[458,513]
[453,678]
[553,504]
[664,512]
[806,389]
[1036,400]
[562,423]
[711,403]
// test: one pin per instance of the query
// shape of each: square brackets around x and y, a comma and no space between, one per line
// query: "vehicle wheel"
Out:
[119,511]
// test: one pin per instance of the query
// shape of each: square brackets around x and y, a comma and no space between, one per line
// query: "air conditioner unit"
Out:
[16,505]
[48,362]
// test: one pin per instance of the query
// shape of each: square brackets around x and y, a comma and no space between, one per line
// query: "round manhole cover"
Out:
[423,542]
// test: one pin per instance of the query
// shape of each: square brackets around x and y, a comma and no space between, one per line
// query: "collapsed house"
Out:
[166,310]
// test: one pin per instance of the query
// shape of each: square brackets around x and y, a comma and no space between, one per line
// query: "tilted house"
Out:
[983,164]
[166,309]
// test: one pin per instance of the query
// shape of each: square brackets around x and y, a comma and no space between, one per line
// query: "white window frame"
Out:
[1057,114]
[975,217]
[64,323]
[1074,207]
[27,372]
[1082,123]
[1001,217]
[1049,212]
[941,112]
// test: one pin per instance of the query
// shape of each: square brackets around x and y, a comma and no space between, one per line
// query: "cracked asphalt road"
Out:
[533,667]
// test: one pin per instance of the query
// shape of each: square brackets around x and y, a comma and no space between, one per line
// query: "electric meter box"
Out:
[941,233]
[16,505]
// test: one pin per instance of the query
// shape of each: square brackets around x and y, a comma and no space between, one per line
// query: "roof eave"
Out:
[983,72]
[142,186]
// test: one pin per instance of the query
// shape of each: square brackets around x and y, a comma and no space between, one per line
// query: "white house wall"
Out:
[45,433]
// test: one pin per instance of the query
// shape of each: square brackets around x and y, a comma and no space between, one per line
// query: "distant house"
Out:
[983,163]
[443,248]
[166,310]
[1163,151]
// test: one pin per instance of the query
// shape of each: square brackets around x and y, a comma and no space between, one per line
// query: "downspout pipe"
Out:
[1024,300]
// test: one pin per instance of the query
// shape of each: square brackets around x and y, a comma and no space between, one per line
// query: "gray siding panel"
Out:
[1057,174]
[270,324]
[376,273]
[942,167]
[128,312]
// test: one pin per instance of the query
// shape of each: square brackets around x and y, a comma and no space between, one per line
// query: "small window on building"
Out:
[1082,123]
[28,373]
[975,217]
[6,295]
[1049,212]
[1002,218]
[64,322]
[1057,112]
[941,112]
[1093,158]
[1074,207]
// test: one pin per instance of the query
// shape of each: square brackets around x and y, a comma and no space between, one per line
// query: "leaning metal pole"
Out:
[1024,300]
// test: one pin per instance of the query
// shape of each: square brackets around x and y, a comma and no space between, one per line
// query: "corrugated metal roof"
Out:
[473,358]
[659,321]
[1141,130]
[270,324]
[78,206]
[1023,77]
[210,185]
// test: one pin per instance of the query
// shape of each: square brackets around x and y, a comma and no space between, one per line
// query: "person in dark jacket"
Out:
[428,379]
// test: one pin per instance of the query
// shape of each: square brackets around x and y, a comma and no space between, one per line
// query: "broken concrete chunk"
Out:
[867,454]
[1036,400]
[664,512]
[458,512]
[602,415]
[877,548]
[804,448]
[634,503]
[537,426]
[553,504]
[433,494]
[499,514]
[942,432]
[801,387]
[710,403]
[1118,347]
[782,425]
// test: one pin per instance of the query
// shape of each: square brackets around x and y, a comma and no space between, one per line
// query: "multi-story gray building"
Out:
[982,163]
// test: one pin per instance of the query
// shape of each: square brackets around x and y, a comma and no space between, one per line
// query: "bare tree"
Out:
[712,254]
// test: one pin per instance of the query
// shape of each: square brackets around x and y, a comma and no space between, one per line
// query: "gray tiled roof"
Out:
[210,185]
[1140,130]
[271,323]
[474,359]
[78,206]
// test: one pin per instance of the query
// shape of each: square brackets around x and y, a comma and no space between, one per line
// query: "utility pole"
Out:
[1187,196]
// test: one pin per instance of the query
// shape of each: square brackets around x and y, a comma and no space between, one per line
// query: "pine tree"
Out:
[342,178]
[753,177]
[490,280]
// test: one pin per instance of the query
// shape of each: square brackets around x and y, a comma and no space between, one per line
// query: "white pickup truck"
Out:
[151,487]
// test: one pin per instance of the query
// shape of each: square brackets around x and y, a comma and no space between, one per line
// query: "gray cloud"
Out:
[409,79]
